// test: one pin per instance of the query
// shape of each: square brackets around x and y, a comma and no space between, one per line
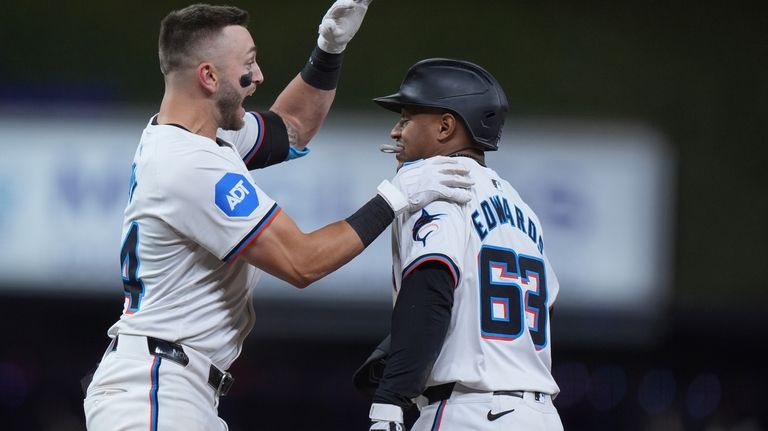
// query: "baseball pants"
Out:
[485,411]
[133,390]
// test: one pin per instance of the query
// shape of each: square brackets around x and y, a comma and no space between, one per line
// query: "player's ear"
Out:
[207,77]
[447,125]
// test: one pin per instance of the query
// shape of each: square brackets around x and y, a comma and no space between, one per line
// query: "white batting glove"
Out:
[418,184]
[386,417]
[340,24]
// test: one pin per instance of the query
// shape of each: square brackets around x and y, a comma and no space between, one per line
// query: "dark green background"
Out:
[697,71]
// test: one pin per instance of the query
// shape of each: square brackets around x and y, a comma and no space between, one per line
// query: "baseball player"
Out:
[197,231]
[473,288]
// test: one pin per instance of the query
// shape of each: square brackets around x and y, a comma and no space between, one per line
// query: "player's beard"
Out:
[228,102]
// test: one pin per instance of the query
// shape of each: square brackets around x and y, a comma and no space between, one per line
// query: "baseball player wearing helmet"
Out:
[473,288]
[198,232]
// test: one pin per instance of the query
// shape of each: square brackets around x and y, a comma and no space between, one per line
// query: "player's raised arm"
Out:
[300,259]
[305,102]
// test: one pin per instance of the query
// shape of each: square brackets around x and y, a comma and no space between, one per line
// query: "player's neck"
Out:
[472,153]
[193,115]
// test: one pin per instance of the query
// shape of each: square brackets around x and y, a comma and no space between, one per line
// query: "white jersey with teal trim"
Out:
[498,338]
[192,208]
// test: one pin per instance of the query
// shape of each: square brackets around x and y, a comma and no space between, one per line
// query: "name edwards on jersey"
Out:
[496,212]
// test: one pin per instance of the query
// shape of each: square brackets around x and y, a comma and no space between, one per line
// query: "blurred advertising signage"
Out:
[602,191]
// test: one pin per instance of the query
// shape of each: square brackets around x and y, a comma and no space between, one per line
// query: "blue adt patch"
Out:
[236,196]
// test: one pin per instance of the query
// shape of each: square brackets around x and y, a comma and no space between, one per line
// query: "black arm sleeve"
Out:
[419,323]
[273,145]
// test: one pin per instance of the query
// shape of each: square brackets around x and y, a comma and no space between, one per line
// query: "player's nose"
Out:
[396,131]
[257,77]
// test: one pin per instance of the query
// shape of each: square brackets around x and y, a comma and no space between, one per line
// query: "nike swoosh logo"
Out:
[494,416]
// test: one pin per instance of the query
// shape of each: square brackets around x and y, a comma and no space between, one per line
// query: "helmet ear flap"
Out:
[461,87]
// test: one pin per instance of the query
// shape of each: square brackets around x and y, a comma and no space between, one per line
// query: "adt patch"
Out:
[236,196]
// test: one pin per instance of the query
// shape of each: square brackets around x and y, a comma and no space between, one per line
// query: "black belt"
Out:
[444,391]
[219,380]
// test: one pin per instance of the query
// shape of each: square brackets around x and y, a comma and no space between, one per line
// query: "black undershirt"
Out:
[420,321]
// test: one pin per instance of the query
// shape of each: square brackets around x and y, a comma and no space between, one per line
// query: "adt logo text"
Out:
[236,196]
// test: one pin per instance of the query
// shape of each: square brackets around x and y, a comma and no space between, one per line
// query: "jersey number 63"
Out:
[513,296]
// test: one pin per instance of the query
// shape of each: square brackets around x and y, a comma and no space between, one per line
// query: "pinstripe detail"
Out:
[436,257]
[254,233]
[154,375]
[439,415]
[259,138]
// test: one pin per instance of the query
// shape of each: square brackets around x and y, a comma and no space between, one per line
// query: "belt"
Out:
[220,381]
[443,392]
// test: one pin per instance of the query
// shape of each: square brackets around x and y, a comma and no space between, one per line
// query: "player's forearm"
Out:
[300,258]
[306,100]
[303,108]
[326,250]
[336,244]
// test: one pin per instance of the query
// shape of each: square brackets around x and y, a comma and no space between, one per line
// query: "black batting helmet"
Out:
[461,87]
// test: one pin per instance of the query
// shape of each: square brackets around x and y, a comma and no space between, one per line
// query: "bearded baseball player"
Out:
[198,232]
[473,288]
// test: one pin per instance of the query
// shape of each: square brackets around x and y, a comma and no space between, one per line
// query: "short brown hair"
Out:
[181,31]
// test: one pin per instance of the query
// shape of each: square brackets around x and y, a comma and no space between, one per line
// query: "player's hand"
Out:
[386,417]
[340,24]
[425,181]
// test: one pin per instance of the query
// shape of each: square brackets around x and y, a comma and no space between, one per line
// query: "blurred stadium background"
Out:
[636,132]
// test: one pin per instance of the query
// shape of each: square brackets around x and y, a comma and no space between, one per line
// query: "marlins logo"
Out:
[425,226]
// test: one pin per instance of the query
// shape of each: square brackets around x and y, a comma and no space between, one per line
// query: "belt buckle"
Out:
[225,383]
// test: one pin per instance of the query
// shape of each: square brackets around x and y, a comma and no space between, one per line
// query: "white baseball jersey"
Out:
[192,207]
[498,338]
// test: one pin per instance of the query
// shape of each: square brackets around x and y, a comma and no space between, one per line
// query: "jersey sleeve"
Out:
[437,233]
[213,201]
[553,284]
[262,142]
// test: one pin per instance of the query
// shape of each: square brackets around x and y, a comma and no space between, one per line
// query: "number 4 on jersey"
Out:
[513,292]
[129,266]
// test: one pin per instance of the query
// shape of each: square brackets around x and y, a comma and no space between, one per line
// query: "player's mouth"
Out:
[249,92]
[242,101]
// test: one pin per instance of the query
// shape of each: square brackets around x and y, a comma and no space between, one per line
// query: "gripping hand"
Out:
[386,417]
[418,184]
[340,24]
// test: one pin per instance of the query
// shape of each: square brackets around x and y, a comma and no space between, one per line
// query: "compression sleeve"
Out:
[420,321]
[273,146]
